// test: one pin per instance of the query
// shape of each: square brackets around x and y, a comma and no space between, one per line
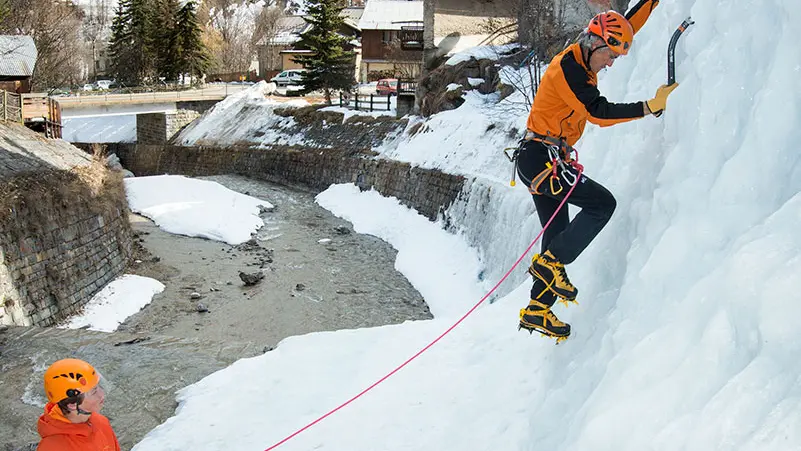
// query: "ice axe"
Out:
[672,49]
[671,54]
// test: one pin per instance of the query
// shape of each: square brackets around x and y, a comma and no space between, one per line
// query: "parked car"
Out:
[88,87]
[104,84]
[289,77]
[387,87]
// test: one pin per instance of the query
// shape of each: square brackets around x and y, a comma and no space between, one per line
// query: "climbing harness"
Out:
[560,162]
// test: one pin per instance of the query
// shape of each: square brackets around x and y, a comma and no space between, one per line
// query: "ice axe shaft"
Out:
[671,54]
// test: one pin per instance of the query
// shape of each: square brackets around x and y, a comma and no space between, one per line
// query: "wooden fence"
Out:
[365,102]
[10,106]
[40,113]
[53,121]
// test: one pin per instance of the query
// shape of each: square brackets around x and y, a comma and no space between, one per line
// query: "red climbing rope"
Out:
[409,360]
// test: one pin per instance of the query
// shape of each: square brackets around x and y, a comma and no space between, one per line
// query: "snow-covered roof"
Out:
[391,14]
[289,28]
[17,56]
[352,16]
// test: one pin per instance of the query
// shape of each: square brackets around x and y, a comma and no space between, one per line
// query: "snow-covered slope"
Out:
[686,334]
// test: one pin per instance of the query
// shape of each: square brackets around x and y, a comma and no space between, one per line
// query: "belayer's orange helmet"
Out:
[614,29]
[68,378]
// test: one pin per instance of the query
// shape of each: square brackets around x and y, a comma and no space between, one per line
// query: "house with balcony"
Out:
[276,53]
[392,39]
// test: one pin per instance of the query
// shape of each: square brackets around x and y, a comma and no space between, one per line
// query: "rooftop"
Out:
[391,14]
[17,56]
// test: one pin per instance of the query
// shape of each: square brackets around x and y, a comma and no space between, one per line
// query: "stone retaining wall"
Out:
[159,128]
[428,191]
[61,241]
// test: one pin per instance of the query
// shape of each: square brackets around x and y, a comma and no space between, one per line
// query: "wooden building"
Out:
[17,60]
[384,53]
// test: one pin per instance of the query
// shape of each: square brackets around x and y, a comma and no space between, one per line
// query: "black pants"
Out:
[564,238]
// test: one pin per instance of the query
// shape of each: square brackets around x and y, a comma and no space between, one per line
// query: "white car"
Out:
[288,77]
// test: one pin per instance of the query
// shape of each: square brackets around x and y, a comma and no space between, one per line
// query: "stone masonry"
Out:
[159,128]
[428,191]
[49,276]
[64,231]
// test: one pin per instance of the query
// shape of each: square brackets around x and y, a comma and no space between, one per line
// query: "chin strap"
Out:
[590,52]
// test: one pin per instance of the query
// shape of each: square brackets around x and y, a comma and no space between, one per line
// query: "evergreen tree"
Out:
[5,10]
[191,55]
[162,38]
[329,66]
[132,55]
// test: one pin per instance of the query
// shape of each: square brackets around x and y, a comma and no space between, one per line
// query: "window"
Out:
[389,36]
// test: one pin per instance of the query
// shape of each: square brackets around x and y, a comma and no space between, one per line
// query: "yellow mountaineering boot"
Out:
[548,269]
[538,316]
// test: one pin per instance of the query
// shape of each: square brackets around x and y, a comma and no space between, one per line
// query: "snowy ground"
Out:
[685,335]
[178,205]
[117,301]
[194,207]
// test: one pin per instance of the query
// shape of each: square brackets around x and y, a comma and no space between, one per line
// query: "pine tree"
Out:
[132,55]
[191,55]
[162,38]
[329,66]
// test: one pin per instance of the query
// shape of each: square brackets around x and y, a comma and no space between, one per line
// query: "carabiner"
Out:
[558,182]
[553,153]
[568,175]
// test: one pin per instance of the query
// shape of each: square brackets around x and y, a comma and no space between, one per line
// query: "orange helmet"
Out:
[614,29]
[68,378]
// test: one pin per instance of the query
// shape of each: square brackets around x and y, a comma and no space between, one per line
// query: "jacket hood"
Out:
[52,422]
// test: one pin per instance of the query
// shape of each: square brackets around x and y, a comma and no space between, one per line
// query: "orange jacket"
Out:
[568,94]
[58,434]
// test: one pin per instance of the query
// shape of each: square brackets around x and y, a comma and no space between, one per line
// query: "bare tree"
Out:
[54,27]
[231,26]
[267,25]
[95,30]
[545,27]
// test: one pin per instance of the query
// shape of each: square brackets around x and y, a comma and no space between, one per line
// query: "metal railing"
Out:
[411,37]
[407,86]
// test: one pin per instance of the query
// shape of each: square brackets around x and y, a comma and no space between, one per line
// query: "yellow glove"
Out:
[658,103]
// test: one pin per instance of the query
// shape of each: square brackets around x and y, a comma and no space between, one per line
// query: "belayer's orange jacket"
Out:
[568,94]
[59,434]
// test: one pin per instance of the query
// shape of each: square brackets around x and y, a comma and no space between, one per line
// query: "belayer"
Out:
[567,98]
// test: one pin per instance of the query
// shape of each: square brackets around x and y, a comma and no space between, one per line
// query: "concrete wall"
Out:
[471,17]
[482,8]
[428,191]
